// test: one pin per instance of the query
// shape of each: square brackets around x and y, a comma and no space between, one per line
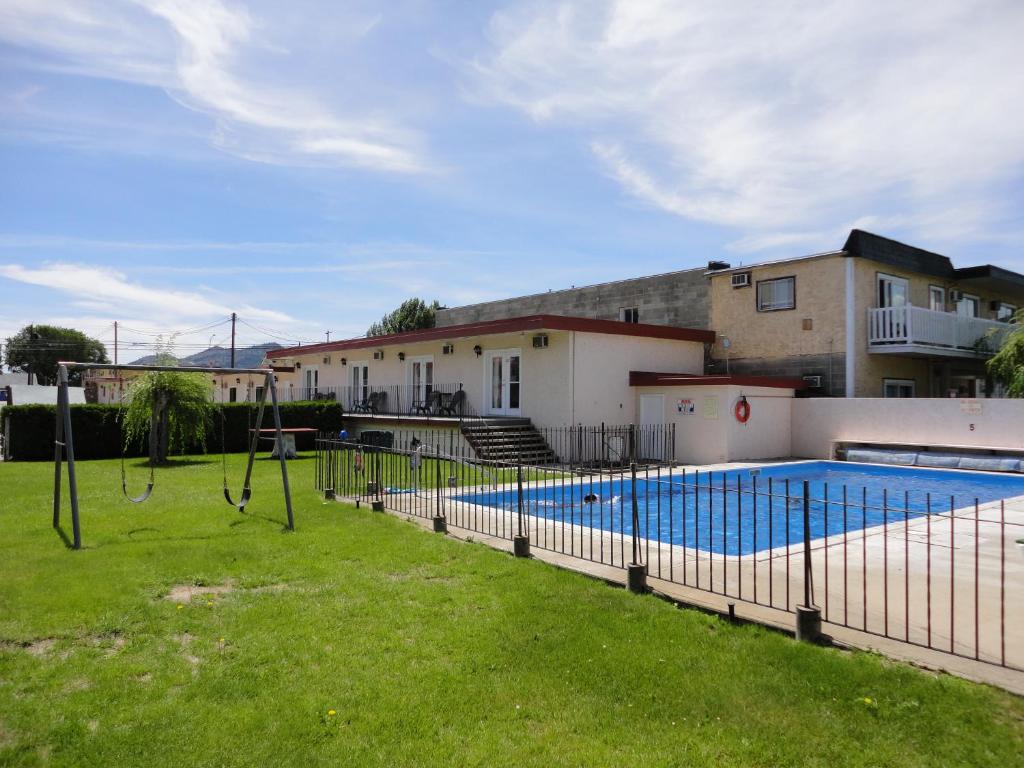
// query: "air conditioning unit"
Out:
[327,359]
[378,354]
[448,349]
[813,382]
[955,295]
[540,341]
[741,280]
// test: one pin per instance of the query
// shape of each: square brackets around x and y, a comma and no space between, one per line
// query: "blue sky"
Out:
[310,164]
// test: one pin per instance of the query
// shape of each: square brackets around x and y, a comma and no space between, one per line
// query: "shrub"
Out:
[97,433]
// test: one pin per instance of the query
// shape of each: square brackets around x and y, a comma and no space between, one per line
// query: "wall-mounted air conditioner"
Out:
[741,280]
[540,341]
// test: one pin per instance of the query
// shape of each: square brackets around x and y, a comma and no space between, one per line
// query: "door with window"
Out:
[968,306]
[420,379]
[502,382]
[359,380]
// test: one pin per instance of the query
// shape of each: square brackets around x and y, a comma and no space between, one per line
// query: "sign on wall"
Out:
[686,407]
[711,407]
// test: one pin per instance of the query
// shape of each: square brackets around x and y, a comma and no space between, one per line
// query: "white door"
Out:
[420,378]
[651,442]
[359,379]
[502,382]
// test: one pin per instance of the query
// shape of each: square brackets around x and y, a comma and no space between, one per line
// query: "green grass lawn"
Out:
[361,639]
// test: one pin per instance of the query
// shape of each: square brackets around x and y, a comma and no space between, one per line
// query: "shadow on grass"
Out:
[173,463]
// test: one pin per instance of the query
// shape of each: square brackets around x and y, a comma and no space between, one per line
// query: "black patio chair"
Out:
[454,405]
[432,404]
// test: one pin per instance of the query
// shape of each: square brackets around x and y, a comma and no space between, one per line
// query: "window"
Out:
[629,314]
[777,294]
[968,306]
[1005,312]
[936,298]
[898,387]
[892,291]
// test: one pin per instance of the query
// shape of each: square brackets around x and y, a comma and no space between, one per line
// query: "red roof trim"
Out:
[650,379]
[510,325]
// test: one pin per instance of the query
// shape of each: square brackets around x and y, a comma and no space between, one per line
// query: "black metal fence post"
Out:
[440,523]
[521,541]
[636,572]
[808,615]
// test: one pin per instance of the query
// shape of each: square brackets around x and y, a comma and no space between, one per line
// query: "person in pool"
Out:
[591,498]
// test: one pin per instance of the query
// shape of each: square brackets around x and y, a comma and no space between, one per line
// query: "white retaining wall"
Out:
[819,422]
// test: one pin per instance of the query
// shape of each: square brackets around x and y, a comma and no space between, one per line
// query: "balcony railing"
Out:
[390,400]
[907,325]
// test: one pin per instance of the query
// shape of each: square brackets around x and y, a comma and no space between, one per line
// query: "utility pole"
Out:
[120,385]
[328,336]
[233,318]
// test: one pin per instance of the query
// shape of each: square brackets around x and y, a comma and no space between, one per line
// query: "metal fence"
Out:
[922,569]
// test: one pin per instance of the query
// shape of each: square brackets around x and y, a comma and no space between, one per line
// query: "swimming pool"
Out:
[742,511]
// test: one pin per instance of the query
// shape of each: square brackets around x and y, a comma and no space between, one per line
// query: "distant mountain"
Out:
[219,357]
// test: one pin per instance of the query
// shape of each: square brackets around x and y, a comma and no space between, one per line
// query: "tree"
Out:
[1007,367]
[412,315]
[37,349]
[174,408]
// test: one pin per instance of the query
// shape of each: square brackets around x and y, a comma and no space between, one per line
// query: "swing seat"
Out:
[137,499]
[246,495]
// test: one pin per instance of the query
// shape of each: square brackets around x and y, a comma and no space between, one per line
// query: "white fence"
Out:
[917,325]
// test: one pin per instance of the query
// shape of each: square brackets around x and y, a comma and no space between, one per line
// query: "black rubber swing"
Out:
[124,475]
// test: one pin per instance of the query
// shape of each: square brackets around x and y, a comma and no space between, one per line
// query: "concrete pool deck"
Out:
[896,610]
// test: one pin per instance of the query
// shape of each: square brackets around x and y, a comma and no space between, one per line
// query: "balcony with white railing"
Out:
[917,331]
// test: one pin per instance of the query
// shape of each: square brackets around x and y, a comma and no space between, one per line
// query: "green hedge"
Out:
[97,432]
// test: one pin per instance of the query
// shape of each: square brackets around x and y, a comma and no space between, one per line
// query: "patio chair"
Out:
[454,405]
[376,402]
[432,404]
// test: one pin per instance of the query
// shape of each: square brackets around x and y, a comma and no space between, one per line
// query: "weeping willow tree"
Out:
[1007,366]
[172,408]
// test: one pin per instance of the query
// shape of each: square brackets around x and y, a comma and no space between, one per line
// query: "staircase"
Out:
[508,440]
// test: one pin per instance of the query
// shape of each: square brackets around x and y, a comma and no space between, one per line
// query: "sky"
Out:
[309,165]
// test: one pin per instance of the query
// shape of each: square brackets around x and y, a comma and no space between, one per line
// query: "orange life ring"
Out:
[742,411]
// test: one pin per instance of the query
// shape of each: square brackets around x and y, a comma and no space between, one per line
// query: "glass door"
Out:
[360,378]
[312,382]
[503,382]
[420,378]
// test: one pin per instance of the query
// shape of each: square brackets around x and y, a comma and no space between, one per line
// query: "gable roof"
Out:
[509,325]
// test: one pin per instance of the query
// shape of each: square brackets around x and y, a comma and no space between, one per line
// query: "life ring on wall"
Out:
[742,411]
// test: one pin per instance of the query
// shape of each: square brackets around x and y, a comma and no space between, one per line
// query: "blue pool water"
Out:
[756,511]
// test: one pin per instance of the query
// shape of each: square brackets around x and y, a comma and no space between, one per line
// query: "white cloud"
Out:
[216,58]
[776,117]
[92,288]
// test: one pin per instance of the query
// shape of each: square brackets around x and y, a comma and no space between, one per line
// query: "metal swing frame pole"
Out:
[279,436]
[65,444]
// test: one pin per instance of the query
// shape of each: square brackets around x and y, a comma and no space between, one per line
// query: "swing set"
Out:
[63,444]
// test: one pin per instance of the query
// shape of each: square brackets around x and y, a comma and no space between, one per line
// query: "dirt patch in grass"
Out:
[183,593]
[41,647]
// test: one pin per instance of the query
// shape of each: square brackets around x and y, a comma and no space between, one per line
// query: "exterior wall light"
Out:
[401,355]
[344,361]
[478,350]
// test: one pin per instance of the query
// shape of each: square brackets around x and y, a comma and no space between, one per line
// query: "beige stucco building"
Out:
[875,319]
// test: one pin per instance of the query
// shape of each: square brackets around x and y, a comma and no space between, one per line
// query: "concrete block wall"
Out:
[676,298]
